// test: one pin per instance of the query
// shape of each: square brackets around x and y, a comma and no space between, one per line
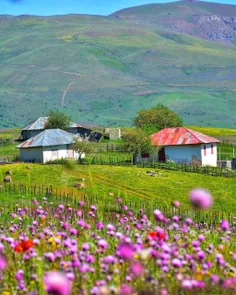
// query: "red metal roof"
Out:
[180,136]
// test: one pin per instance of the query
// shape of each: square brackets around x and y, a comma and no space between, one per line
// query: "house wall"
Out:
[31,155]
[43,155]
[210,159]
[189,154]
[59,152]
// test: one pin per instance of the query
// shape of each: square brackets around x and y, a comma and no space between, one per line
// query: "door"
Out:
[162,155]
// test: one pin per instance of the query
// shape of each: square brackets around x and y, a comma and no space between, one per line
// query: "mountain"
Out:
[102,70]
[206,20]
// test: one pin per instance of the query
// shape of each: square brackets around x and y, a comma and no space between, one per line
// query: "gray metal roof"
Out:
[40,124]
[49,137]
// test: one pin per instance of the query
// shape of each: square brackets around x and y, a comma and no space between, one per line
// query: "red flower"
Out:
[152,234]
[160,234]
[27,245]
[24,246]
[18,248]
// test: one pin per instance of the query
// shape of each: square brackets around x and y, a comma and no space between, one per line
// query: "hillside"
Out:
[102,70]
[206,20]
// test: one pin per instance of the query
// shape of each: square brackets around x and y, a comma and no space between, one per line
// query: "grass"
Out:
[217,132]
[131,182]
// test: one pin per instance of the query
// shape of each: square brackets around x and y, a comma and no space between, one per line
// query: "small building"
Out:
[37,126]
[49,145]
[112,133]
[186,146]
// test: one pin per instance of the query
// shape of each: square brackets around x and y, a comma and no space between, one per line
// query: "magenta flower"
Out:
[201,198]
[126,290]
[125,251]
[225,225]
[3,262]
[57,283]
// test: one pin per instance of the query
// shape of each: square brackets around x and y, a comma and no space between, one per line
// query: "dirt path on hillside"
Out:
[66,91]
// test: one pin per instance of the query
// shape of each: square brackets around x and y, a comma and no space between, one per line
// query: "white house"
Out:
[49,145]
[183,145]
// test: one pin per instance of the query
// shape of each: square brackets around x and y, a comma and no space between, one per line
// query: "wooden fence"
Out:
[110,147]
[23,194]
[127,161]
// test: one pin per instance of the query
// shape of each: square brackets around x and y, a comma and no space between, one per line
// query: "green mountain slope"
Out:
[102,70]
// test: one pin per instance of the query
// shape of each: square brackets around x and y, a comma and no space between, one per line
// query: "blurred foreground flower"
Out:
[3,262]
[57,283]
[200,198]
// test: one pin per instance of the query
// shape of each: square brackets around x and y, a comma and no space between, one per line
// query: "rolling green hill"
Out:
[102,70]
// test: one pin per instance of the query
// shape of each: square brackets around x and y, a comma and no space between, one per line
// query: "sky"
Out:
[52,7]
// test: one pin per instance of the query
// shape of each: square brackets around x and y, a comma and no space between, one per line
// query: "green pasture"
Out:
[129,182]
[123,68]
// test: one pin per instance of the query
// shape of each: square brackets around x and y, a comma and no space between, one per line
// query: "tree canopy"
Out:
[137,141]
[83,147]
[157,118]
[59,120]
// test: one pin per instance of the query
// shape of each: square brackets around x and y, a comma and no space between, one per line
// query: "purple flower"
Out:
[201,198]
[176,262]
[225,225]
[158,215]
[57,283]
[102,244]
[99,225]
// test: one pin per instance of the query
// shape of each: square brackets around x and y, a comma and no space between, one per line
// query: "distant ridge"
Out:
[206,20]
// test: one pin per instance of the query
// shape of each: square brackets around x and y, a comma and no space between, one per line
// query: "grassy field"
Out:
[130,182]
[217,132]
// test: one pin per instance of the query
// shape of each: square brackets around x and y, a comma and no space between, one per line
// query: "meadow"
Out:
[69,248]
[129,182]
[72,228]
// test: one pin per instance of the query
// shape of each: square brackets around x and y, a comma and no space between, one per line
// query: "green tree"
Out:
[157,118]
[59,120]
[83,147]
[137,142]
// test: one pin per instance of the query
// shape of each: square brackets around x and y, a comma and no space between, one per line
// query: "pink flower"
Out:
[201,198]
[186,284]
[57,283]
[3,262]
[126,290]
[136,268]
[176,204]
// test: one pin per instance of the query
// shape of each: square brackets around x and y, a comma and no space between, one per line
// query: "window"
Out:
[205,151]
[54,153]
[212,149]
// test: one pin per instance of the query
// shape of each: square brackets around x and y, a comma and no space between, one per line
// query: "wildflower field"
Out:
[77,245]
